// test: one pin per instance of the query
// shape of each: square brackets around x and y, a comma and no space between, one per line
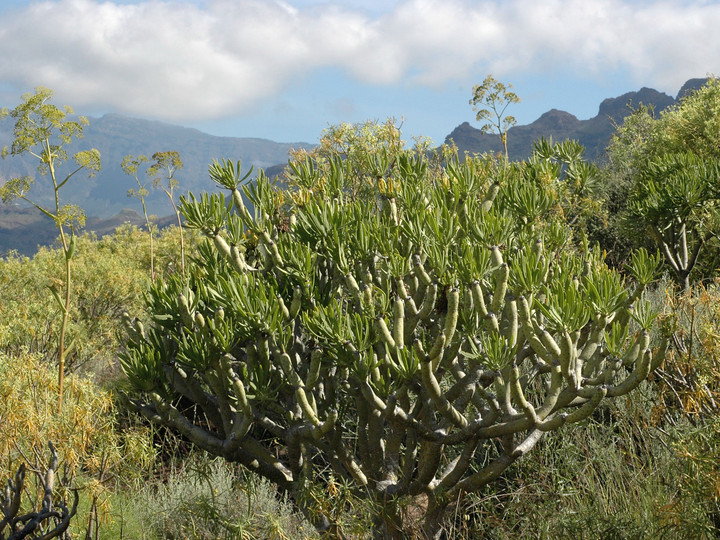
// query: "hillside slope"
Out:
[116,136]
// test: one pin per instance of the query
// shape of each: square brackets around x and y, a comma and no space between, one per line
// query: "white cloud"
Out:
[186,61]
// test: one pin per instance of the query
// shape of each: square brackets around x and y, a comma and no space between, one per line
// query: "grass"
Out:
[210,499]
[615,476]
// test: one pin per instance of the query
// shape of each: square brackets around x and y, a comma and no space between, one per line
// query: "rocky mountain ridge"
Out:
[594,133]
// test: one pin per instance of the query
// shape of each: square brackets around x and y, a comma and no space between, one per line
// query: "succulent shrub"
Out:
[410,328]
[674,201]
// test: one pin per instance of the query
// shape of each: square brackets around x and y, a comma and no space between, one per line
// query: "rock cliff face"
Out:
[593,133]
[690,86]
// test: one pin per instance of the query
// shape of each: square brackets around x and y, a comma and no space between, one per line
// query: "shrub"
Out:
[90,449]
[666,169]
[392,324]
[110,276]
[209,499]
[689,380]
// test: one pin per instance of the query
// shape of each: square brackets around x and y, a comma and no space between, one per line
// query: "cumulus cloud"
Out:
[185,61]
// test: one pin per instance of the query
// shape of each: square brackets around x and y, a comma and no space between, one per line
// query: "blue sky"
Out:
[284,70]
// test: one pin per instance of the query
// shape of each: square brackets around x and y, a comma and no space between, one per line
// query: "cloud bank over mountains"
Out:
[184,61]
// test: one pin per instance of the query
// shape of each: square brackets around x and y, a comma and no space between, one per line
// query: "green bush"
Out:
[663,179]
[389,322]
[110,277]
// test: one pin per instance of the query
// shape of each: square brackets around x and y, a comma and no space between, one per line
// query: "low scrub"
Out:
[93,456]
[211,500]
[109,278]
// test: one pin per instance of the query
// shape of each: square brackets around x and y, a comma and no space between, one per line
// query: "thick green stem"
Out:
[63,330]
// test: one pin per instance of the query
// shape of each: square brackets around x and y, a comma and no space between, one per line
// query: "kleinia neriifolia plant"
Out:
[412,336]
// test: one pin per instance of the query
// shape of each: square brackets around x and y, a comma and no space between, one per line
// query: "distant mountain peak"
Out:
[617,108]
[690,86]
[557,119]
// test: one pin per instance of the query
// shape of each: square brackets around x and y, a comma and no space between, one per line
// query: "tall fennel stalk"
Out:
[42,131]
